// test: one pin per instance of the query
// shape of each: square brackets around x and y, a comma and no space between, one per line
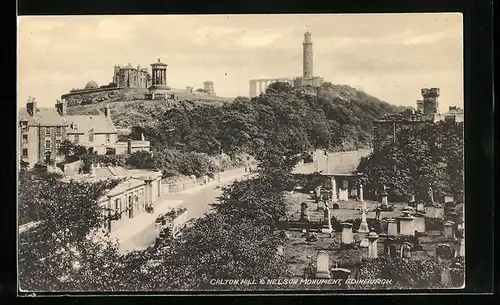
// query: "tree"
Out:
[141,160]
[61,252]
[71,152]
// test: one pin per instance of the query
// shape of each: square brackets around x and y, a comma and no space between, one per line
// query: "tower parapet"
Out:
[431,101]
[307,56]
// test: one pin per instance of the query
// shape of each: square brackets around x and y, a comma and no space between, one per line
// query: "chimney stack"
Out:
[31,106]
[107,112]
[61,107]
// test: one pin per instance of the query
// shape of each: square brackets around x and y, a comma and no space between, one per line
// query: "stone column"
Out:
[392,227]
[372,247]
[385,203]
[406,224]
[363,226]
[334,190]
[347,238]
[261,86]
[327,226]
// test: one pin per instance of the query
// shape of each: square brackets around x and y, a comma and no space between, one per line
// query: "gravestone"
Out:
[347,241]
[439,211]
[383,226]
[320,206]
[392,251]
[318,194]
[322,262]
[406,224]
[405,250]
[304,213]
[430,195]
[419,223]
[392,227]
[280,250]
[363,226]
[420,206]
[335,206]
[372,247]
[340,274]
[411,200]
[449,229]
[364,243]
[327,226]
[343,193]
[444,252]
[448,198]
[360,193]
[457,274]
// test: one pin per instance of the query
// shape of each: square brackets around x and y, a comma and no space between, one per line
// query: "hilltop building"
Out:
[385,129]
[307,81]
[130,77]
[208,87]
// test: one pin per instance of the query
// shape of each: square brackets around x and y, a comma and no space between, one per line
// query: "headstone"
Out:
[335,206]
[444,252]
[449,229]
[372,247]
[320,206]
[406,250]
[392,227]
[340,273]
[445,276]
[347,236]
[411,201]
[420,206]
[363,226]
[304,213]
[322,269]
[457,275]
[280,250]
[439,212]
[318,194]
[354,192]
[392,251]
[327,226]
[419,225]
[383,226]
[448,198]
[461,247]
[364,243]
[343,195]
[406,225]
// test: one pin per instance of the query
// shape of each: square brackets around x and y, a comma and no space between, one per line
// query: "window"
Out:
[108,137]
[47,144]
[58,144]
[77,138]
[25,139]
[58,130]
[91,137]
[47,131]
[25,152]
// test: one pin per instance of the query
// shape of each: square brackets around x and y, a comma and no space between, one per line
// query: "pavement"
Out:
[140,232]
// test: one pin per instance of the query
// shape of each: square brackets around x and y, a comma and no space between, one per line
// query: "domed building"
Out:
[91,85]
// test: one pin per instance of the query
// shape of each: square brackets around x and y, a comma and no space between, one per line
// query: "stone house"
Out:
[40,132]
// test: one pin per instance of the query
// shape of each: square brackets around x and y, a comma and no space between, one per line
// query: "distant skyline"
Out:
[389,56]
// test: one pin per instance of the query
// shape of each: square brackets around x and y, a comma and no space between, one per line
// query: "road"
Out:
[197,203]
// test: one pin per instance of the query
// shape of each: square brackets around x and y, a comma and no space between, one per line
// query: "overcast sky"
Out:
[390,56]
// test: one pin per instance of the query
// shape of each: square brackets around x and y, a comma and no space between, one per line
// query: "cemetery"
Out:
[328,236]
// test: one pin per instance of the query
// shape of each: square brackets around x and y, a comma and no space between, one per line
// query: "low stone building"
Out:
[138,192]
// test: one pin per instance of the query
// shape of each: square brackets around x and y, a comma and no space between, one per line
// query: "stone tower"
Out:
[307,56]
[431,101]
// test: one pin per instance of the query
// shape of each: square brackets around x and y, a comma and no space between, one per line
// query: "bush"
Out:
[404,273]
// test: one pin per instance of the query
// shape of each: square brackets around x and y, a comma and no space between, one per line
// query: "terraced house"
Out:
[42,130]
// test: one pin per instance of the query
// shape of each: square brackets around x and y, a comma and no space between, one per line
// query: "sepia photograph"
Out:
[240,153]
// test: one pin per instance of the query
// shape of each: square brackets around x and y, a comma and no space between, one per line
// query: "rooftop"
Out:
[43,116]
[85,123]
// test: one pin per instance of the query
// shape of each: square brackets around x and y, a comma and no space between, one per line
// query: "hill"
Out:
[336,118]
[128,106]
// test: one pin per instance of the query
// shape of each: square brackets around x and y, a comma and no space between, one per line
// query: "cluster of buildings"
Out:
[128,77]
[307,80]
[43,129]
[385,130]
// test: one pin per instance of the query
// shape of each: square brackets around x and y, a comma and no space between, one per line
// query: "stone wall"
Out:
[103,95]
